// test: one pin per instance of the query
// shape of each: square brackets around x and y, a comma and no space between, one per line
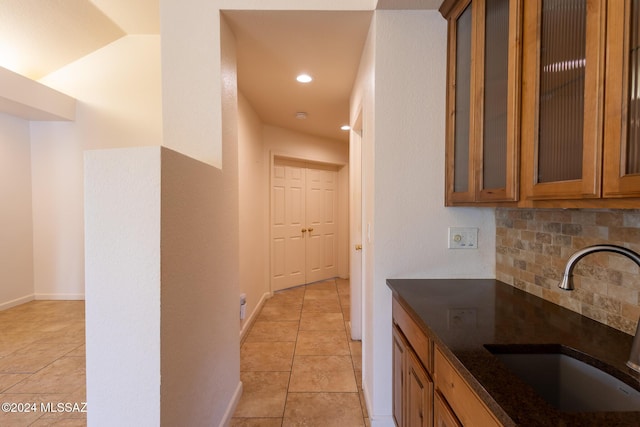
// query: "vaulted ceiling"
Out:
[38,37]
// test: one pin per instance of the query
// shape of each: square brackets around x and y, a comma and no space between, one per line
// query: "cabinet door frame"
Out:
[443,415]
[399,362]
[511,190]
[589,185]
[616,183]
[476,192]
[416,373]
[452,196]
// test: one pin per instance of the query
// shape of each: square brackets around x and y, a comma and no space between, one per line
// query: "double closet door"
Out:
[303,223]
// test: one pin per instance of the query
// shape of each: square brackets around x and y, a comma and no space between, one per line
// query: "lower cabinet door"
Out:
[400,351]
[419,394]
[442,414]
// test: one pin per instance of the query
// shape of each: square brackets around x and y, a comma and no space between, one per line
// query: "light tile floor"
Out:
[298,365]
[42,362]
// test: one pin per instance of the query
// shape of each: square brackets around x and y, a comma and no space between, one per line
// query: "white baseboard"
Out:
[231,409]
[252,318]
[386,421]
[374,419]
[60,297]
[17,301]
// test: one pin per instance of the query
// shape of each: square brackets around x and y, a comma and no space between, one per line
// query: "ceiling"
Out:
[274,47]
[41,36]
[38,37]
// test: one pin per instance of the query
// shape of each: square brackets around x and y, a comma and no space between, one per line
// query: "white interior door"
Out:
[303,223]
[322,242]
[355,212]
[288,218]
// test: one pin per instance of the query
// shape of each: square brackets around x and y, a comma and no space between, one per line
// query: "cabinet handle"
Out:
[310,230]
[304,230]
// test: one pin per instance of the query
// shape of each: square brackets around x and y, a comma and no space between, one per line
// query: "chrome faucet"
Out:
[567,285]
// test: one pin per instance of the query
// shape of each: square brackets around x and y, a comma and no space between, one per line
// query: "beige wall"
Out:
[119,105]
[254,255]
[401,88]
[533,246]
[200,106]
[16,231]
[280,141]
[200,349]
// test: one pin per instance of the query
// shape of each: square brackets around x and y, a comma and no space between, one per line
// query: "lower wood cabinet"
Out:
[400,348]
[412,386]
[443,415]
[428,391]
[467,406]
[419,397]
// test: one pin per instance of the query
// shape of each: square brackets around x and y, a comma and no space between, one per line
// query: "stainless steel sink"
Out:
[568,383]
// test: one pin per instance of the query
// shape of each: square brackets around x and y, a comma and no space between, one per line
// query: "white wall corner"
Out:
[191,79]
[28,99]
[122,257]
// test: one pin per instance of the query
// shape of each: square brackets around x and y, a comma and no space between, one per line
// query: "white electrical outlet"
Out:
[463,238]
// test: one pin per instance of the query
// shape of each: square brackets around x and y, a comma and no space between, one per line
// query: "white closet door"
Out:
[287,222]
[322,212]
[303,223]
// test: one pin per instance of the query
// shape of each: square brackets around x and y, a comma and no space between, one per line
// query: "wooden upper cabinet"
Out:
[483,100]
[621,176]
[562,99]
[459,179]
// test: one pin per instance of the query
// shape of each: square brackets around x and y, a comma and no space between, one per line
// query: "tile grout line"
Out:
[293,356]
[347,339]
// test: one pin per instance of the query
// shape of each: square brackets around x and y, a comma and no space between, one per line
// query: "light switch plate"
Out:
[463,238]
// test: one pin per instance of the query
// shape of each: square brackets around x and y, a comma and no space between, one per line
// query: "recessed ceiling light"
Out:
[301,115]
[304,78]
[345,127]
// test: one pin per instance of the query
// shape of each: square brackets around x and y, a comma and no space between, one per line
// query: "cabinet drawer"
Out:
[464,402]
[417,339]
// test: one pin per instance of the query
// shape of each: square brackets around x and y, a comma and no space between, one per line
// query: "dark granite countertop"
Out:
[464,315]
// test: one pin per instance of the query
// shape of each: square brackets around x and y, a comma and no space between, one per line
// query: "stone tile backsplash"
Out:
[533,245]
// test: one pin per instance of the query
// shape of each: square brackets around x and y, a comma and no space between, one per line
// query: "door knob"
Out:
[358,247]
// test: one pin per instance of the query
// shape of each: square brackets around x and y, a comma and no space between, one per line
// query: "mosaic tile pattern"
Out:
[533,245]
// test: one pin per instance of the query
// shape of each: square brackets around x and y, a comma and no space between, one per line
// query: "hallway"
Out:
[298,365]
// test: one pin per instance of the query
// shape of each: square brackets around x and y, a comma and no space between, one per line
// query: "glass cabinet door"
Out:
[497,114]
[622,119]
[460,186]
[563,74]
[483,101]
